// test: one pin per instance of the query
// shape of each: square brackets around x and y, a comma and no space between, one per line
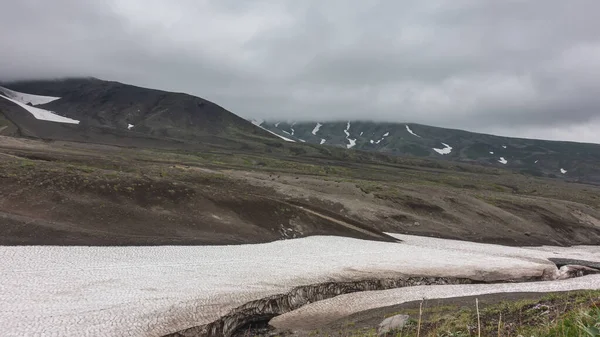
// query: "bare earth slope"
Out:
[86,194]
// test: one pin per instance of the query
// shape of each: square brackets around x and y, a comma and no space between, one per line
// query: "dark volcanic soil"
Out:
[65,193]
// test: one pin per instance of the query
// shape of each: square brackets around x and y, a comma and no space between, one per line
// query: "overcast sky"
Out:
[528,68]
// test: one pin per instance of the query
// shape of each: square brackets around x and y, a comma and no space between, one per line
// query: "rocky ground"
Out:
[79,193]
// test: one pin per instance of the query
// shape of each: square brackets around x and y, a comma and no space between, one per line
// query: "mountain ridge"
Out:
[549,158]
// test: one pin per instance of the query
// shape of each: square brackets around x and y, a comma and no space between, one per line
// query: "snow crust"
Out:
[446,150]
[316,129]
[323,312]
[27,98]
[152,291]
[411,131]
[502,160]
[42,114]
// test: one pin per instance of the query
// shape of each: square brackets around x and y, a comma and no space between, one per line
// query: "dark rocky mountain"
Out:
[569,160]
[99,103]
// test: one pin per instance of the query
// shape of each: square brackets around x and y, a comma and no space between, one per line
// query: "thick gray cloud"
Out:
[527,68]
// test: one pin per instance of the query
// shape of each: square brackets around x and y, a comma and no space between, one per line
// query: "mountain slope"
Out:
[578,161]
[94,102]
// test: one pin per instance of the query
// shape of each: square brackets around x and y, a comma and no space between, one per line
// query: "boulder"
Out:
[392,323]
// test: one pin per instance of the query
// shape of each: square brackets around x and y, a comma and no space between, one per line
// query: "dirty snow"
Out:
[446,150]
[42,114]
[411,131]
[503,161]
[322,141]
[563,171]
[27,98]
[323,312]
[151,291]
[316,129]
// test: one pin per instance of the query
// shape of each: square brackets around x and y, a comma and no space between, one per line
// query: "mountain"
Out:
[91,102]
[107,112]
[569,160]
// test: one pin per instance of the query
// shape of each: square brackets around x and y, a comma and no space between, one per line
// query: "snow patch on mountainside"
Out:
[386,134]
[504,146]
[322,141]
[411,131]
[130,126]
[491,152]
[42,114]
[316,129]
[27,98]
[277,124]
[352,142]
[257,122]
[280,136]
[502,160]
[563,171]
[446,150]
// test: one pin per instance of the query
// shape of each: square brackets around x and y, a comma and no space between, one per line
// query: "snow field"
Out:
[316,129]
[150,291]
[411,131]
[446,150]
[42,114]
[27,98]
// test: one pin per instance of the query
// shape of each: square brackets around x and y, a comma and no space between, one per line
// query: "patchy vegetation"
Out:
[573,314]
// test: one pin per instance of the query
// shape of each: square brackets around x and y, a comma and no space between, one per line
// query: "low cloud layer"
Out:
[528,68]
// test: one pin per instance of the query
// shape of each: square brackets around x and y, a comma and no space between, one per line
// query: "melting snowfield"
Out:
[351,142]
[43,114]
[23,100]
[446,150]
[411,131]
[150,291]
[316,129]
[27,98]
